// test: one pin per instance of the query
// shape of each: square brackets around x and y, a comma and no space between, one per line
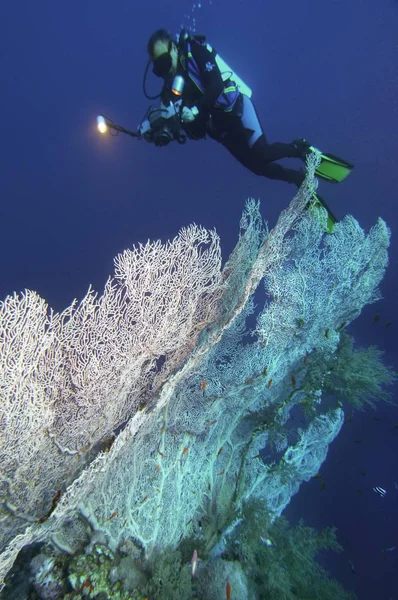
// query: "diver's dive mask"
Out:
[162,64]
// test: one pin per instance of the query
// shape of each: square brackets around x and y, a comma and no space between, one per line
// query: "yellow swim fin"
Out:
[332,168]
[318,202]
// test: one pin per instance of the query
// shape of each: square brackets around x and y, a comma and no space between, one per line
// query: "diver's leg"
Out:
[254,160]
[259,157]
[256,139]
[247,143]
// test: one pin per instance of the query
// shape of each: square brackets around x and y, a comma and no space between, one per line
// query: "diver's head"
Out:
[163,52]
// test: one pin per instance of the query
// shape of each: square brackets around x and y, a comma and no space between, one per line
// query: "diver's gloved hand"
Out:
[189,114]
[144,129]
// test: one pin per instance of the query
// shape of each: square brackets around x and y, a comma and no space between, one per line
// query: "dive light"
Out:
[101,124]
[177,87]
[105,125]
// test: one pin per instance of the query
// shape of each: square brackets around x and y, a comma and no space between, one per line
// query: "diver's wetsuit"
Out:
[239,129]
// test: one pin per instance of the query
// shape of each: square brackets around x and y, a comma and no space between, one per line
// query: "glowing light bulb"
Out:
[101,124]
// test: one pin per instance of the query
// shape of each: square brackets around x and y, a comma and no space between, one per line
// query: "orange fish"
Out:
[203,386]
[113,515]
[184,451]
[228,590]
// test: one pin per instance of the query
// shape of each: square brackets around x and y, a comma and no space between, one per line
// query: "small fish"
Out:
[391,549]
[322,485]
[376,318]
[359,491]
[228,590]
[300,322]
[363,473]
[203,387]
[327,332]
[194,562]
[388,324]
[357,441]
[379,490]
[113,515]
[184,451]
[267,541]
[161,453]
[249,380]
[269,383]
[221,472]
[352,567]
[265,372]
[293,378]
[340,327]
[219,451]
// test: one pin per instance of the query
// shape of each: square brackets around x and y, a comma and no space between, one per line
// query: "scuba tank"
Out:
[226,72]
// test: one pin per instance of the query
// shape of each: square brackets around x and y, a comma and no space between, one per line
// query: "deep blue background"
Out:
[72,199]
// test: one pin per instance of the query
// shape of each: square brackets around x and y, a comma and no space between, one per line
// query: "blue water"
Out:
[72,199]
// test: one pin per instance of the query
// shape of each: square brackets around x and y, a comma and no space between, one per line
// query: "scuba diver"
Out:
[202,96]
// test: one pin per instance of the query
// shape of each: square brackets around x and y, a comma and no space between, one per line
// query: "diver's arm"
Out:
[211,75]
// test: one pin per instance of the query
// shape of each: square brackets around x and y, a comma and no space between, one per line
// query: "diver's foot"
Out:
[302,148]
